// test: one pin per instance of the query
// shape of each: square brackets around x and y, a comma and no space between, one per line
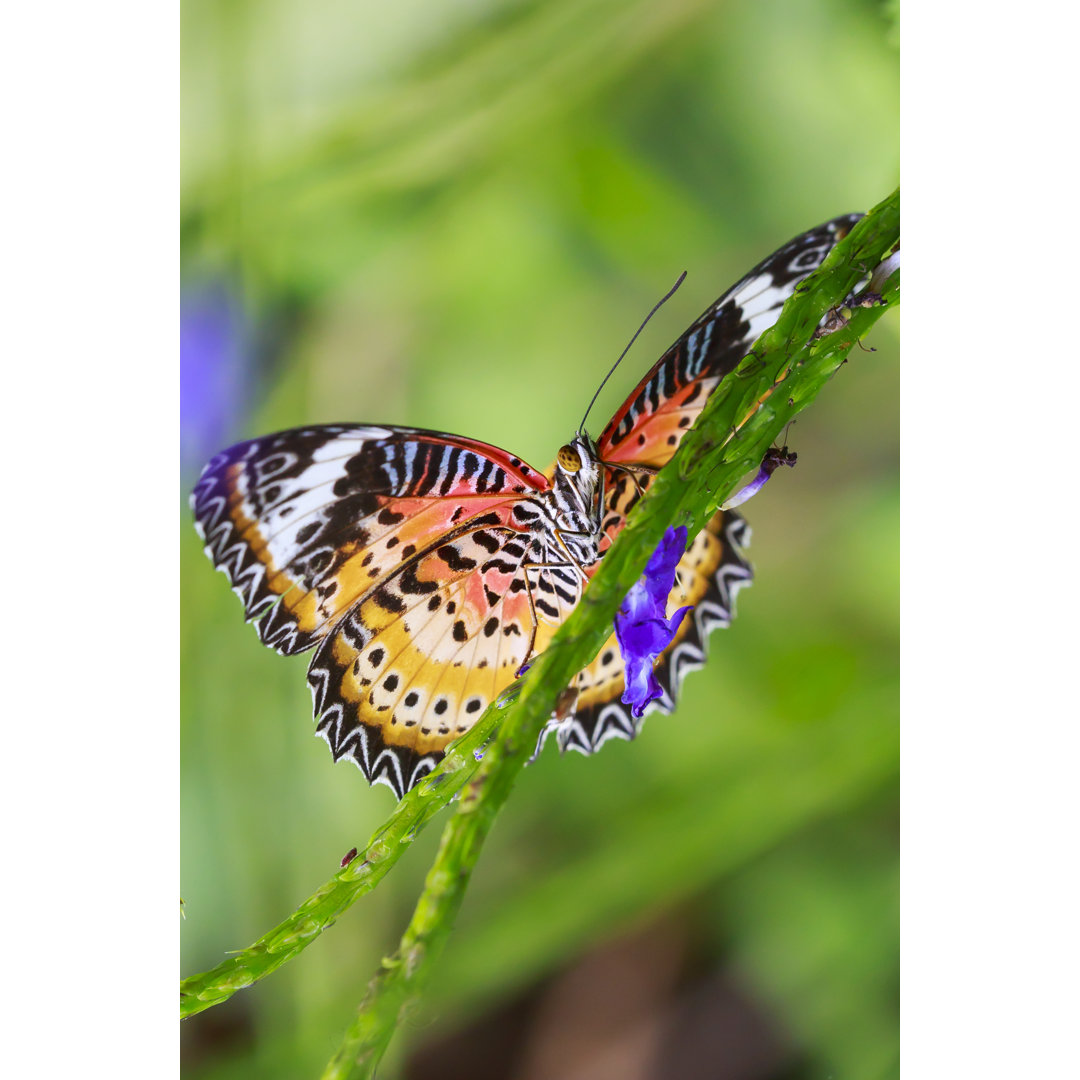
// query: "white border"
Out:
[989,895]
[90,783]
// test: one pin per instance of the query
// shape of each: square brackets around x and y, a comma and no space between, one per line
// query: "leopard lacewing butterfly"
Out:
[423,570]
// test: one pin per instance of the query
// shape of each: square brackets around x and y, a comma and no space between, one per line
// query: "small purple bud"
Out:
[772,460]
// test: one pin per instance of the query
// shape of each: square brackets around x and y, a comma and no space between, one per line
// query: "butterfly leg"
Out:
[571,560]
[526,567]
[633,471]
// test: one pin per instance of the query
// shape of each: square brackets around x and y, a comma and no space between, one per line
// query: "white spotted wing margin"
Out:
[590,727]
[398,767]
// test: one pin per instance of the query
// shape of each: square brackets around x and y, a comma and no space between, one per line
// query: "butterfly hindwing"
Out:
[709,576]
[412,666]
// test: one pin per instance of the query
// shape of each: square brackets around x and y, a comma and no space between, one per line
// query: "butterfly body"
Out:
[423,569]
[576,503]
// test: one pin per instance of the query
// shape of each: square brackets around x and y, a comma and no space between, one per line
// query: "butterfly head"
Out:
[577,471]
[578,455]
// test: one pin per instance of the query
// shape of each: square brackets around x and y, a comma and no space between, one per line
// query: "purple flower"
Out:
[773,459]
[215,361]
[641,624]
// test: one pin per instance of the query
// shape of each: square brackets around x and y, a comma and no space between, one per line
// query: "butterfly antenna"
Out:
[659,304]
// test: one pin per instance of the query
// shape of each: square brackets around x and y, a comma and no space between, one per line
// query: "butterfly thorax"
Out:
[574,506]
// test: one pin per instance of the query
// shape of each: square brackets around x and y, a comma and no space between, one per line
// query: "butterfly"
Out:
[425,570]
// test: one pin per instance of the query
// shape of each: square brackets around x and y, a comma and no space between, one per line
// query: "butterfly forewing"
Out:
[307,521]
[653,419]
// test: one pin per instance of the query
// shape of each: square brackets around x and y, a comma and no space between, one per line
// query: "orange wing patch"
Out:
[383,544]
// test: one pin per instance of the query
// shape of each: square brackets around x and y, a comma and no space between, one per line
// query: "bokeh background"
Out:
[453,216]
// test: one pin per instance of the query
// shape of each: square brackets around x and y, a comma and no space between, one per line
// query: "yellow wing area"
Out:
[413,664]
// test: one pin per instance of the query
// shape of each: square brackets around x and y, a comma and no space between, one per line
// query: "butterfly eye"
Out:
[568,458]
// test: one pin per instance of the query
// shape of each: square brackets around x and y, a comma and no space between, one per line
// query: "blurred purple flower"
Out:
[214,361]
[641,624]
[773,459]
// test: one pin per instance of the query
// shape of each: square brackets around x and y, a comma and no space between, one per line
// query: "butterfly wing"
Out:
[651,422]
[645,432]
[400,555]
[414,663]
[305,522]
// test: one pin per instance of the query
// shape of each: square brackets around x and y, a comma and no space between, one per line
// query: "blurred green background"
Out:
[453,216]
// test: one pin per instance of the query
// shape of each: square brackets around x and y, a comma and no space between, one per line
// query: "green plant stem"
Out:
[781,376]
[401,980]
[367,869]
